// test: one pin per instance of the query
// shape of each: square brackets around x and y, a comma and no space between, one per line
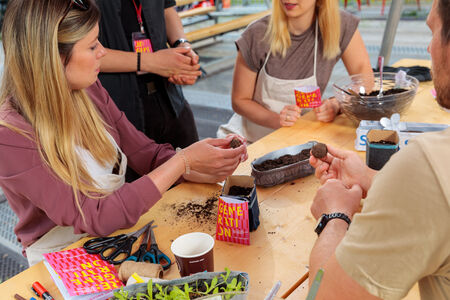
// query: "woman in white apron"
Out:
[287,50]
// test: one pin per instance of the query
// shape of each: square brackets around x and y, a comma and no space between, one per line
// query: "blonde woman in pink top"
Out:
[64,145]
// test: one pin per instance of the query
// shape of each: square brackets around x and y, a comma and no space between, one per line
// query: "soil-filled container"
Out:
[381,145]
[289,163]
[195,282]
[242,187]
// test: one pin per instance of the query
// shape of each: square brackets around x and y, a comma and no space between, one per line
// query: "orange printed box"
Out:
[308,96]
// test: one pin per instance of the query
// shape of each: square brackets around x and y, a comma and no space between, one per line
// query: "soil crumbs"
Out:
[284,160]
[202,213]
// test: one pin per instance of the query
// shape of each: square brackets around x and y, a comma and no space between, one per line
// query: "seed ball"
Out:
[235,143]
[319,150]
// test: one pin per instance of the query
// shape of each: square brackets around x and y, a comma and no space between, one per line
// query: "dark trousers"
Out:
[163,126]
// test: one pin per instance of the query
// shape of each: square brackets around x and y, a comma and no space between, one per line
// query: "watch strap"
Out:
[178,42]
[325,218]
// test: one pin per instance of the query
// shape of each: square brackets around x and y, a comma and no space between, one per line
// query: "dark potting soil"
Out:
[239,191]
[202,212]
[284,160]
[235,143]
[385,93]
[383,142]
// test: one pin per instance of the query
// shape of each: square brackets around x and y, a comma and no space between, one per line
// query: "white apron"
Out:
[60,237]
[272,93]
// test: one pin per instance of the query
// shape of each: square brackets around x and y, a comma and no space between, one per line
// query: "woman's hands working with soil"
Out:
[346,166]
[328,110]
[207,161]
[213,159]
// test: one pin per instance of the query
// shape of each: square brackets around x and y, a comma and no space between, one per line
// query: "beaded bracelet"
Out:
[186,161]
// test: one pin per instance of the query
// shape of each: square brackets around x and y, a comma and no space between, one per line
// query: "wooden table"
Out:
[280,247]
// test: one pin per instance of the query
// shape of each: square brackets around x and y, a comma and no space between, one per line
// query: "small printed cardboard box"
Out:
[381,145]
[412,130]
[237,214]
[308,96]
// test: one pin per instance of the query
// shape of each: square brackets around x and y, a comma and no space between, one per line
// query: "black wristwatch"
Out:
[179,41]
[323,220]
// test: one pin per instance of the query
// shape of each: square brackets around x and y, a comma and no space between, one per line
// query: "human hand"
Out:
[334,197]
[186,79]
[243,141]
[328,110]
[344,165]
[289,115]
[214,156]
[169,62]
[183,79]
[191,54]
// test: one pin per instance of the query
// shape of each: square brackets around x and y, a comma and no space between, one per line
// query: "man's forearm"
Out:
[326,245]
[174,27]
[118,61]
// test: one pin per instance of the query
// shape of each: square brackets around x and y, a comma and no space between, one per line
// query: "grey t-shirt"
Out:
[299,60]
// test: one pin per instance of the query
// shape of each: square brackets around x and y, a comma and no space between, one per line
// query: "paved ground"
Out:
[211,102]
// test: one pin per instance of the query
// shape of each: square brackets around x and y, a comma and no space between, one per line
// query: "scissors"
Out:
[155,255]
[115,245]
[140,254]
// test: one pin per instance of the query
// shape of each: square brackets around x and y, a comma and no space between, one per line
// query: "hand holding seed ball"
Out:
[319,150]
[235,143]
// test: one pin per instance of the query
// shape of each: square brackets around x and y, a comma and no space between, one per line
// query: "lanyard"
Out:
[139,15]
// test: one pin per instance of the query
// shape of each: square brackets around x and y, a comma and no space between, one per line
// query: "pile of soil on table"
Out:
[385,93]
[203,213]
[282,161]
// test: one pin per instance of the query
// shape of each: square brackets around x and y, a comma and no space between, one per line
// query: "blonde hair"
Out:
[329,20]
[37,35]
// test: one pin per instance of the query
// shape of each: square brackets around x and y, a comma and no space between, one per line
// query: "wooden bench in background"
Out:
[221,28]
[217,28]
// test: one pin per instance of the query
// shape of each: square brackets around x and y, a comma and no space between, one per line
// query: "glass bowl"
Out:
[369,106]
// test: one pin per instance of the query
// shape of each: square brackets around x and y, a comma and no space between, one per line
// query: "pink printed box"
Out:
[308,96]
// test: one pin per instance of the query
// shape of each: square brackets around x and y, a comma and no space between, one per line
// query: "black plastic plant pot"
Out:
[247,182]
[381,145]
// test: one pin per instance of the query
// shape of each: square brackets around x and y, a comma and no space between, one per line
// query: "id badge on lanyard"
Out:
[141,42]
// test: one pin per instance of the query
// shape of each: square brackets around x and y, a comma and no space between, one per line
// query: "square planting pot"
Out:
[252,199]
[381,145]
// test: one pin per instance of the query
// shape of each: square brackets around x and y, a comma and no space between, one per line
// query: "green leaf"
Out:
[150,289]
[139,295]
[121,295]
[214,282]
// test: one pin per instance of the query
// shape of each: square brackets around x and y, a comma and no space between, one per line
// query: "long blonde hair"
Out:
[38,38]
[329,19]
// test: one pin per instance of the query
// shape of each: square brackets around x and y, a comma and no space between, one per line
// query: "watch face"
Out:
[320,225]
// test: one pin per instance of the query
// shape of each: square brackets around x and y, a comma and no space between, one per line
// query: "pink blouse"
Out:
[41,200]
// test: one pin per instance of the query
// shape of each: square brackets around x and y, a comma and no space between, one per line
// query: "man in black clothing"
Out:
[153,101]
